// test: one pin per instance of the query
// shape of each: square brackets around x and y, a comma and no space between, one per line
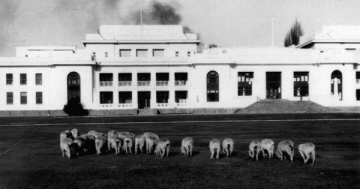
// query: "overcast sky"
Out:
[226,23]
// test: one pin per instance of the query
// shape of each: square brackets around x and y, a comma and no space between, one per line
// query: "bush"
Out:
[75,108]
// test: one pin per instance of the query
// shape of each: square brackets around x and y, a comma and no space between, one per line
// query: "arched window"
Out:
[73,81]
[336,84]
[213,86]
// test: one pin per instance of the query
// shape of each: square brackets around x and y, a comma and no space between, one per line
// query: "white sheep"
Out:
[139,143]
[162,147]
[306,151]
[268,145]
[100,143]
[254,149]
[127,146]
[187,146]
[114,142]
[75,133]
[151,140]
[228,146]
[96,134]
[285,146]
[215,145]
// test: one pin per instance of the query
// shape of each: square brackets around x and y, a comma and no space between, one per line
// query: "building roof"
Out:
[141,34]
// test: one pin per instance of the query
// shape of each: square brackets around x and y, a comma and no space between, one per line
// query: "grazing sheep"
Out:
[151,140]
[228,146]
[162,147]
[89,145]
[128,143]
[65,146]
[124,135]
[150,143]
[99,144]
[80,145]
[285,146]
[113,133]
[114,142]
[74,133]
[187,146]
[268,145]
[306,150]
[96,134]
[139,143]
[254,149]
[65,134]
[215,145]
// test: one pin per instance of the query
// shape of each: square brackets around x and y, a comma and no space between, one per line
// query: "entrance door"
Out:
[74,87]
[273,85]
[144,100]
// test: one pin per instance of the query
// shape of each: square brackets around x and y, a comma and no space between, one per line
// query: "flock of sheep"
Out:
[73,143]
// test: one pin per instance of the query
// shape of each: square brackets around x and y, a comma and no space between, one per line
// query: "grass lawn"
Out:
[36,162]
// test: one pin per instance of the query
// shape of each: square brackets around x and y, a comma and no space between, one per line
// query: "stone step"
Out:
[147,111]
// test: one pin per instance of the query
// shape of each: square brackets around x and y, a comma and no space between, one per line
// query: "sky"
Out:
[227,23]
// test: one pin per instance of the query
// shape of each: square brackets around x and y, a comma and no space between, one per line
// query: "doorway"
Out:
[144,100]
[273,85]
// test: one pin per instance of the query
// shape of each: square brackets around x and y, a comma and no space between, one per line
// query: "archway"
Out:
[73,82]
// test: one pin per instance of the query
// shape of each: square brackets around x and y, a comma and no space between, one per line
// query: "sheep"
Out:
[89,142]
[162,147]
[113,133]
[150,143]
[306,150]
[65,134]
[97,134]
[99,144]
[151,140]
[215,145]
[80,145]
[187,146]
[124,135]
[74,133]
[65,146]
[285,146]
[228,146]
[268,145]
[114,142]
[127,145]
[254,149]
[139,143]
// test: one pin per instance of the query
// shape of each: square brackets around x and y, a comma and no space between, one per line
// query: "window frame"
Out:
[23,79]
[245,80]
[23,98]
[11,79]
[38,81]
[39,97]
[9,98]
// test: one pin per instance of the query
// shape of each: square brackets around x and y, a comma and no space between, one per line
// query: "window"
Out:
[336,84]
[358,94]
[357,77]
[162,79]
[38,78]
[176,53]
[125,52]
[245,80]
[180,79]
[301,84]
[23,98]
[106,97]
[125,79]
[93,56]
[143,79]
[9,79]
[141,52]
[180,96]
[39,98]
[188,53]
[9,98]
[125,97]
[106,54]
[22,79]
[158,52]
[106,79]
[162,96]
[212,87]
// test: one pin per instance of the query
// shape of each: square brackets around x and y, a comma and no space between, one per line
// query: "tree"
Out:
[293,36]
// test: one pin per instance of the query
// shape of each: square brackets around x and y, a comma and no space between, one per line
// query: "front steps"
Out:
[145,112]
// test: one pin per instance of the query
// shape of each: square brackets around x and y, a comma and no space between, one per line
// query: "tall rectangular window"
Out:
[9,79]
[125,52]
[23,98]
[245,80]
[106,97]
[38,78]
[301,84]
[22,79]
[39,98]
[188,53]
[358,94]
[141,52]
[158,52]
[9,98]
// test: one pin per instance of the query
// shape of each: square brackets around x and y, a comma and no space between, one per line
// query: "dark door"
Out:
[144,100]
[273,85]
[74,87]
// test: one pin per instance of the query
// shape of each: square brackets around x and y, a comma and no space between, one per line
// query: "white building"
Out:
[126,68]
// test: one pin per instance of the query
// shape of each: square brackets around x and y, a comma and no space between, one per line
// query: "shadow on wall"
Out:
[75,108]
